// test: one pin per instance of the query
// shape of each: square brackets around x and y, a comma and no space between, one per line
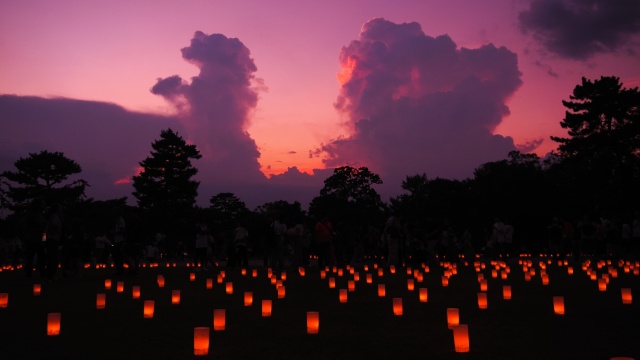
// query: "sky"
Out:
[276,93]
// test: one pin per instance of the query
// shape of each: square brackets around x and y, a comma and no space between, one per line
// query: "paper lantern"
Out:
[342,295]
[160,281]
[506,292]
[351,286]
[107,284]
[201,340]
[301,271]
[283,276]
[626,295]
[4,300]
[445,281]
[340,272]
[369,278]
[313,322]
[219,319]
[192,276]
[397,306]
[323,274]
[380,272]
[484,285]
[482,300]
[243,271]
[53,324]
[602,284]
[37,289]
[453,317]
[410,284]
[356,276]
[254,273]
[461,338]
[220,279]
[135,292]
[248,298]
[229,287]
[558,305]
[381,290]
[120,286]
[423,294]
[101,300]
[266,308]
[175,297]
[332,282]
[149,306]
[209,284]
[281,292]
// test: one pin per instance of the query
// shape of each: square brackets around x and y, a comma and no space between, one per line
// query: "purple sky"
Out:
[274,94]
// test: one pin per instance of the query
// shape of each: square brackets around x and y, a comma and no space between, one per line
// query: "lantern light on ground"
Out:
[101,300]
[313,322]
[461,338]
[148,309]
[558,305]
[53,323]
[219,319]
[397,306]
[201,340]
[175,297]
[267,306]
[453,317]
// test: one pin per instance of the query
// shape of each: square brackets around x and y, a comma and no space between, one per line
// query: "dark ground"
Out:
[596,324]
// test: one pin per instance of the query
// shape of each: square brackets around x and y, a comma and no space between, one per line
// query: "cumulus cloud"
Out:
[529,146]
[579,29]
[215,106]
[417,103]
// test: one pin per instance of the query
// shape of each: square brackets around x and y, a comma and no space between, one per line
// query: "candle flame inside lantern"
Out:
[201,341]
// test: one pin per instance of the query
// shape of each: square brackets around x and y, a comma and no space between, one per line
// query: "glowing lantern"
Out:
[175,297]
[482,300]
[602,284]
[381,290]
[283,275]
[410,284]
[301,271]
[369,278]
[453,317]
[209,283]
[107,284]
[219,319]
[356,276]
[4,300]
[494,273]
[229,287]
[281,292]
[200,340]
[340,272]
[569,270]
[37,288]
[313,322]
[248,298]
[397,306]
[220,278]
[483,285]
[254,272]
[120,286]
[243,271]
[332,282]
[423,294]
[192,276]
[343,295]
[445,281]
[323,274]
[266,308]
[351,285]
[626,295]
[506,292]
[461,338]
[101,300]
[53,324]
[135,292]
[160,281]
[380,272]
[148,309]
[558,305]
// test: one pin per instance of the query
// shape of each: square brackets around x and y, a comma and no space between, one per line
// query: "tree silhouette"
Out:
[165,182]
[41,175]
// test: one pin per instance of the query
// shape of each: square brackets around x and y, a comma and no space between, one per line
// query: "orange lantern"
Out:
[558,305]
[148,309]
[340,272]
[243,271]
[107,284]
[461,338]
[313,322]
[356,276]
[220,278]
[453,317]
[380,272]
[423,294]
[343,295]
[4,300]
[281,292]
[626,295]
[200,340]
[369,278]
[482,300]
[301,271]
[397,306]
[332,282]
[53,324]
[135,292]
[192,276]
[266,308]
[209,284]
[351,285]
[483,285]
[37,288]
[381,290]
[160,281]
[323,274]
[101,300]
[229,287]
[175,297]
[506,292]
[219,319]
[248,298]
[410,284]
[120,286]
[445,281]
[254,273]
[283,276]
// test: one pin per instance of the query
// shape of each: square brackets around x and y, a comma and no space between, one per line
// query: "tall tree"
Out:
[42,175]
[165,183]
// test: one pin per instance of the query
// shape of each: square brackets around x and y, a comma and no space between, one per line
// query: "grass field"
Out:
[596,324]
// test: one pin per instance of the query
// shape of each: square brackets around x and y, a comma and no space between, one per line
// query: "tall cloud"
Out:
[579,29]
[418,104]
[215,106]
